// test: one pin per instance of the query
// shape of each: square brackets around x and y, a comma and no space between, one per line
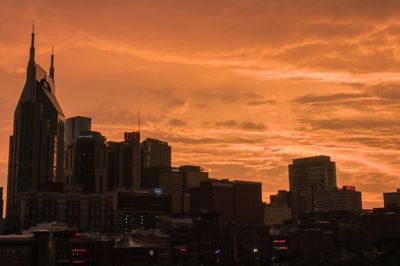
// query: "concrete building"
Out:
[36,148]
[213,196]
[276,214]
[247,202]
[283,197]
[74,126]
[307,175]
[317,172]
[346,198]
[124,163]
[391,199]
[155,152]
[139,209]
[86,162]
[82,211]
[238,201]
[169,181]
[192,175]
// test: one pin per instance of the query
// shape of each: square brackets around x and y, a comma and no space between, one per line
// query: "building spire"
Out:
[32,50]
[52,63]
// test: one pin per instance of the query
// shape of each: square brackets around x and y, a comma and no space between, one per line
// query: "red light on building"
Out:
[77,234]
[183,249]
[78,261]
[349,188]
[280,241]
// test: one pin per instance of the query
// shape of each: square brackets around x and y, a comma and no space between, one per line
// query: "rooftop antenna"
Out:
[52,62]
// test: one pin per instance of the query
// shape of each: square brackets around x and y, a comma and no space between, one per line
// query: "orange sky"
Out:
[239,87]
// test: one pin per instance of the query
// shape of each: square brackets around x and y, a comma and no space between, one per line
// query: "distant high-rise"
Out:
[317,172]
[124,163]
[391,199]
[37,143]
[307,175]
[86,162]
[74,126]
[155,152]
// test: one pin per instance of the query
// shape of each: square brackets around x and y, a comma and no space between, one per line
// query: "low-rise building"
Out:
[346,198]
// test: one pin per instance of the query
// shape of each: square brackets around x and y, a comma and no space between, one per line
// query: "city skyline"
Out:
[219,106]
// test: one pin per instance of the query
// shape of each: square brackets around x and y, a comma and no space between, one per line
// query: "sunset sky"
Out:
[238,87]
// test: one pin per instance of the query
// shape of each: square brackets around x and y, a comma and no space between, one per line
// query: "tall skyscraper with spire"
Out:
[37,144]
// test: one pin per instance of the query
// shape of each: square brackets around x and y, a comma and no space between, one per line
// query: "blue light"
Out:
[157,191]
[217,251]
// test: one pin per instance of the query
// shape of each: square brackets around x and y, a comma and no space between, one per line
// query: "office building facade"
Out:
[155,152]
[37,144]
[306,176]
[124,163]
[391,199]
[74,126]
[86,162]
[344,199]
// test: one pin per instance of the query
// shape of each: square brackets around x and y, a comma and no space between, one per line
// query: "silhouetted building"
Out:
[86,162]
[213,196]
[317,172]
[139,209]
[37,145]
[192,175]
[276,214]
[391,199]
[347,199]
[124,163]
[74,126]
[283,197]
[170,182]
[307,175]
[82,211]
[229,198]
[58,246]
[247,194]
[155,152]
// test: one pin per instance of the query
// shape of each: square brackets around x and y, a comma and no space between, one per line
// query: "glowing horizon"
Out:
[240,88]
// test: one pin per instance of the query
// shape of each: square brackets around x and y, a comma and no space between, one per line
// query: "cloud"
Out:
[335,98]
[249,125]
[246,125]
[177,122]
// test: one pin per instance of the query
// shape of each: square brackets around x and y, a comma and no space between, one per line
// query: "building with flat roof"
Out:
[86,162]
[124,163]
[239,201]
[344,199]
[74,126]
[155,152]
[391,199]
[307,175]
